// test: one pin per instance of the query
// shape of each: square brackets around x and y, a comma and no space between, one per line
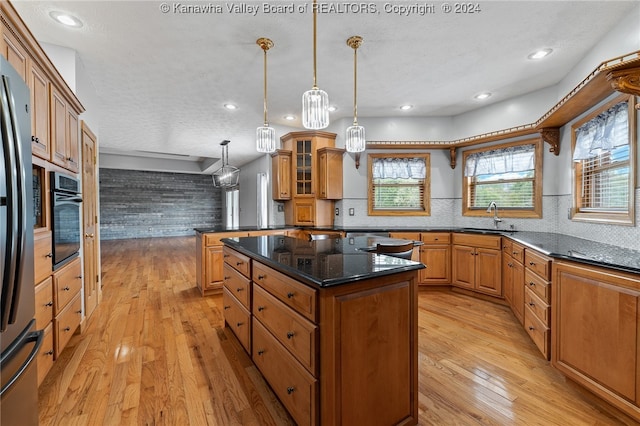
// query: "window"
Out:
[399,185]
[509,174]
[603,164]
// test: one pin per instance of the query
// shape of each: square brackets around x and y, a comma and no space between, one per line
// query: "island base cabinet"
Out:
[238,319]
[595,326]
[369,352]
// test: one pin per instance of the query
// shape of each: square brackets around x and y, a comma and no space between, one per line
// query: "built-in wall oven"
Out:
[65,212]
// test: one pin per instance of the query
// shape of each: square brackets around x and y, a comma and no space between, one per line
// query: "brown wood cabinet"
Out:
[308,207]
[537,299]
[330,173]
[210,260]
[67,305]
[596,331]
[513,277]
[281,174]
[477,263]
[39,84]
[15,53]
[435,253]
[64,133]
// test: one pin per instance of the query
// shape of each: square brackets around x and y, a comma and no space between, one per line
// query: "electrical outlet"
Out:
[352,212]
[280,208]
[337,211]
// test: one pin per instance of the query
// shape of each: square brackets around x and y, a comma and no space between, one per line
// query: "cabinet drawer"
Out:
[238,285]
[44,359]
[67,283]
[295,387]
[507,246]
[42,256]
[237,261]
[536,284]
[538,263]
[66,323]
[293,294]
[214,238]
[487,241]
[237,318]
[538,332]
[435,237]
[44,303]
[295,333]
[538,306]
[517,252]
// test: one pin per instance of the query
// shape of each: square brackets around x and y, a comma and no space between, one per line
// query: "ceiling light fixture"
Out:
[226,176]
[482,96]
[332,108]
[355,140]
[265,135]
[406,107]
[289,117]
[539,54]
[65,19]
[315,102]
[230,106]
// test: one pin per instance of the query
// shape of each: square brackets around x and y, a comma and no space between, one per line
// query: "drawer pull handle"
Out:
[79,312]
[239,324]
[435,239]
[290,334]
[239,289]
[261,351]
[225,255]
[227,307]
[226,278]
[67,329]
[531,328]
[532,263]
[79,277]
[66,289]
[290,390]
[532,284]
[49,255]
[290,295]
[515,252]
[239,263]
[260,308]
[50,303]
[510,265]
[532,304]
[261,277]
[49,353]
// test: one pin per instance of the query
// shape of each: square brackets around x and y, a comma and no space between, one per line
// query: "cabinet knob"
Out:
[290,334]
[226,278]
[290,295]
[79,312]
[49,353]
[50,303]
[49,255]
[66,289]
[88,235]
[260,351]
[67,329]
[290,390]
[532,304]
[239,289]
[510,265]
[79,277]
[227,307]
[435,239]
[532,263]
[531,328]
[260,308]
[239,263]
[532,284]
[261,277]
[225,256]
[69,159]
[515,252]
[239,324]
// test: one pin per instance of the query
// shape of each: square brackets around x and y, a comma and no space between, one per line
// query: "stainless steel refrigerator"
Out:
[19,340]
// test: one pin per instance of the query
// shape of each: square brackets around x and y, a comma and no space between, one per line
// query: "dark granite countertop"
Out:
[558,246]
[214,229]
[322,263]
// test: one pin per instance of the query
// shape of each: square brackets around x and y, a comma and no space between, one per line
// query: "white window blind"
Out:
[398,183]
[504,175]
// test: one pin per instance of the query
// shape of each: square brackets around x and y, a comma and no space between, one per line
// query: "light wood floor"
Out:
[156,353]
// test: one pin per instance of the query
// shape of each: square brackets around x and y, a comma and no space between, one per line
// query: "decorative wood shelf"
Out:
[621,74]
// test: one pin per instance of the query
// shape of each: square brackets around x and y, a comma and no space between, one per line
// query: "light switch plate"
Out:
[352,212]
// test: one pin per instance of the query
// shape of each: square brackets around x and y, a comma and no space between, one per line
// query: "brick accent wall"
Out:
[141,204]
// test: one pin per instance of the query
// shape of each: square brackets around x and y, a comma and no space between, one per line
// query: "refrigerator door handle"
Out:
[25,338]
[9,275]
[21,204]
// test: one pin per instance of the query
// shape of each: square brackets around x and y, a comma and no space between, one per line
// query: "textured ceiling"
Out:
[161,79]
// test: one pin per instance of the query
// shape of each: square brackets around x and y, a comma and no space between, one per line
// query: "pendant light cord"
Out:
[315,19]
[355,86]
[266,123]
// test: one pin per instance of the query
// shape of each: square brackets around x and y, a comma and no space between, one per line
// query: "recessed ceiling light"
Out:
[482,96]
[230,106]
[332,108]
[290,117]
[406,107]
[65,19]
[539,54]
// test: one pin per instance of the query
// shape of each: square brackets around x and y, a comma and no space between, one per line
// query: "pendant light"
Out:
[315,102]
[226,176]
[355,140]
[265,135]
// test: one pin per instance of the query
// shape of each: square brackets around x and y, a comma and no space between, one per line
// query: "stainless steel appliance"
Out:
[65,213]
[19,340]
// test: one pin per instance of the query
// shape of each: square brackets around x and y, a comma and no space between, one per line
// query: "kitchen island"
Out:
[331,326]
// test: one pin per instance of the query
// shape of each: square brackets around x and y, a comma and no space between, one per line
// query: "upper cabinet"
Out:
[315,175]
[54,107]
[281,170]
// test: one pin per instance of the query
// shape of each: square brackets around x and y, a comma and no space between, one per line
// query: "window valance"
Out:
[603,133]
[398,168]
[513,159]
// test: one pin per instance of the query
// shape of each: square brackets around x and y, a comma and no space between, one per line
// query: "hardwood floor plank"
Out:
[156,352]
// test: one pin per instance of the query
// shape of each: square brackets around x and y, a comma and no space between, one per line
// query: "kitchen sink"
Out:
[484,231]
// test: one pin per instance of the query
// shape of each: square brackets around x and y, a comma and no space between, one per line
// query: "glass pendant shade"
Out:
[315,109]
[355,140]
[226,176]
[265,139]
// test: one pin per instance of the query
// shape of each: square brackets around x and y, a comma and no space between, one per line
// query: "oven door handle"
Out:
[68,198]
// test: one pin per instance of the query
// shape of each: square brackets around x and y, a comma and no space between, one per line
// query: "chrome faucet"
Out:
[496,219]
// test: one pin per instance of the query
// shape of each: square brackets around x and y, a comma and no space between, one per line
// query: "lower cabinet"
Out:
[477,263]
[67,304]
[435,252]
[45,354]
[209,260]
[513,277]
[595,325]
